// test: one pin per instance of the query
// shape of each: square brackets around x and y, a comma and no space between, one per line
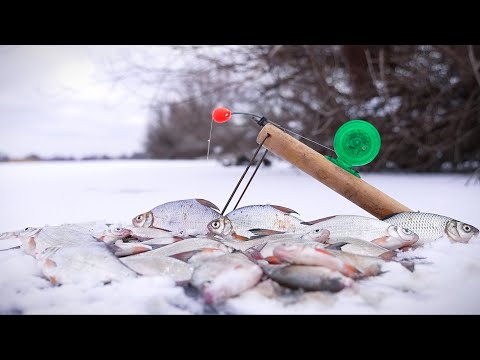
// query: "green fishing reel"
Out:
[356,143]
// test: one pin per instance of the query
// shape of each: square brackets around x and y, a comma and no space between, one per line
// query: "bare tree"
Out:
[424,100]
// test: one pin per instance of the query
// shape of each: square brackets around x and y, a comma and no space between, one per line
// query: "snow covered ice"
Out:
[53,193]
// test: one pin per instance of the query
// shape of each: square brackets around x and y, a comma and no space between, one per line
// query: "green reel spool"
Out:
[356,143]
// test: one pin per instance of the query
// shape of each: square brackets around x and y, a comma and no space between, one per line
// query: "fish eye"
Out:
[216,224]
[26,229]
[118,229]
[406,231]
[139,217]
[317,230]
[466,228]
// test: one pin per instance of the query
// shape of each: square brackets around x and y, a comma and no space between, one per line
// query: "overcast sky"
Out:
[63,100]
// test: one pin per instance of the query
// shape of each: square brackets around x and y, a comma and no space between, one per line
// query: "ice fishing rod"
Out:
[356,143]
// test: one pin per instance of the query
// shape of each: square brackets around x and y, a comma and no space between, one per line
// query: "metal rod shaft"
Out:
[243,175]
[251,178]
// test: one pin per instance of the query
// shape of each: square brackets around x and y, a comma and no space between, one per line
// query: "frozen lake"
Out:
[36,194]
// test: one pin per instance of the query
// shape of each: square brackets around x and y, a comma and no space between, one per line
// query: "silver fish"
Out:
[309,278]
[114,233]
[145,233]
[182,217]
[121,249]
[318,236]
[364,228]
[300,254]
[74,264]
[159,265]
[238,222]
[187,245]
[35,240]
[359,247]
[222,277]
[430,227]
[348,264]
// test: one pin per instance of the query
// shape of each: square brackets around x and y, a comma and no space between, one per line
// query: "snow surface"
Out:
[37,194]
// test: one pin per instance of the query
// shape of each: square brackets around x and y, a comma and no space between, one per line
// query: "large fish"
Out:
[181,218]
[309,278]
[222,277]
[430,227]
[239,222]
[159,265]
[364,228]
[86,263]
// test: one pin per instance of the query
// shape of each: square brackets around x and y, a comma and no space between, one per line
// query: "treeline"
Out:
[423,99]
[33,157]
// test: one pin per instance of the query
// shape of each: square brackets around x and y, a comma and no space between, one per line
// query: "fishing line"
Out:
[251,178]
[209,138]
[243,175]
[303,137]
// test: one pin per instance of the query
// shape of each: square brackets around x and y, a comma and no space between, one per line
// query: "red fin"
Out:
[318,220]
[388,255]
[265,232]
[184,256]
[273,260]
[284,209]
[323,251]
[208,204]
[350,270]
[380,241]
[240,237]
[49,263]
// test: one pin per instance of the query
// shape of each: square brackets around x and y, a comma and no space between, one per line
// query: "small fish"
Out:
[359,247]
[35,240]
[368,229]
[239,222]
[121,249]
[226,276]
[159,265]
[146,233]
[430,227]
[318,236]
[181,218]
[9,235]
[187,245]
[114,233]
[309,278]
[316,256]
[88,262]
[367,265]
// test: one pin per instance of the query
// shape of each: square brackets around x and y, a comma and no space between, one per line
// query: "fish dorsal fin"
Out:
[389,216]
[284,209]
[239,237]
[318,220]
[153,227]
[265,232]
[208,204]
[336,246]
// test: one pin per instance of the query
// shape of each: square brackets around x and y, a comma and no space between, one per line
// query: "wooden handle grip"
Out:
[316,165]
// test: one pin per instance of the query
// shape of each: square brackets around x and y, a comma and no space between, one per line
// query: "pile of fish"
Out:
[221,256]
